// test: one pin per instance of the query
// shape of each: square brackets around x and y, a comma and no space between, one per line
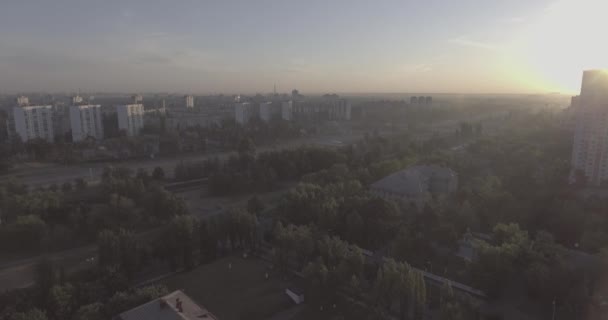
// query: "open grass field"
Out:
[241,292]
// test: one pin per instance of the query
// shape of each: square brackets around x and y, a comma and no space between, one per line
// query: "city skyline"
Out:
[344,46]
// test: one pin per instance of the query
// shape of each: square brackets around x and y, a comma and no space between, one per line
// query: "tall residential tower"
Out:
[130,118]
[33,122]
[189,102]
[590,150]
[85,122]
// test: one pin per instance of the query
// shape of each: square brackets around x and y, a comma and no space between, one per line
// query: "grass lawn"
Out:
[241,292]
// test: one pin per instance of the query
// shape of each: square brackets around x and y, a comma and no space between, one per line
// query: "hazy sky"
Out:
[316,46]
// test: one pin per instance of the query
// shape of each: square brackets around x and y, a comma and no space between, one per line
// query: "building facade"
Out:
[287,110]
[77,100]
[86,122]
[33,122]
[22,101]
[189,101]
[266,111]
[270,110]
[322,109]
[137,99]
[243,112]
[590,148]
[130,118]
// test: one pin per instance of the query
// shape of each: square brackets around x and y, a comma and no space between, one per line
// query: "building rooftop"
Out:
[413,180]
[174,306]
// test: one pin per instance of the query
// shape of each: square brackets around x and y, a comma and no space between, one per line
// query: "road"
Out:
[48,174]
[20,273]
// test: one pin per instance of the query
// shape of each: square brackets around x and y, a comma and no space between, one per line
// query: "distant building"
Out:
[416,185]
[287,110]
[86,122]
[22,101]
[130,118]
[266,111]
[270,110]
[330,108]
[421,100]
[32,122]
[243,112]
[590,149]
[77,100]
[189,101]
[181,119]
[174,306]
[137,99]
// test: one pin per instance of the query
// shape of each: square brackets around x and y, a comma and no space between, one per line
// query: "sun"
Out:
[566,39]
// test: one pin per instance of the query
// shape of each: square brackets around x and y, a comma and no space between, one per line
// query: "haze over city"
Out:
[471,46]
[304,160]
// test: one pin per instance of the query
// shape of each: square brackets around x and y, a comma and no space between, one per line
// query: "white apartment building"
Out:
[189,101]
[130,118]
[76,100]
[269,111]
[322,109]
[85,121]
[266,111]
[22,101]
[287,110]
[33,122]
[243,112]
[590,149]
[137,99]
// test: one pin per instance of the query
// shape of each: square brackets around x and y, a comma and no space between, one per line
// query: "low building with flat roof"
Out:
[174,306]
[416,185]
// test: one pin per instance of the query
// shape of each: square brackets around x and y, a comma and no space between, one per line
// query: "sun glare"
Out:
[566,39]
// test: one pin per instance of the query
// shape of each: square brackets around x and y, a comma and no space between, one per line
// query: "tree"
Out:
[142,175]
[456,307]
[32,314]
[28,232]
[246,147]
[93,311]
[398,282]
[120,249]
[255,205]
[496,263]
[164,205]
[380,219]
[209,237]
[46,276]
[61,301]
[108,248]
[158,173]
[125,300]
[80,183]
[302,241]
[316,274]
[66,187]
[182,238]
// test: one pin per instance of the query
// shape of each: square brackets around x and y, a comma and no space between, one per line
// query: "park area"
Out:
[235,288]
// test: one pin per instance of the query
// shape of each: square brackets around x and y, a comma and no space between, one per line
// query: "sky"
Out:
[247,46]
